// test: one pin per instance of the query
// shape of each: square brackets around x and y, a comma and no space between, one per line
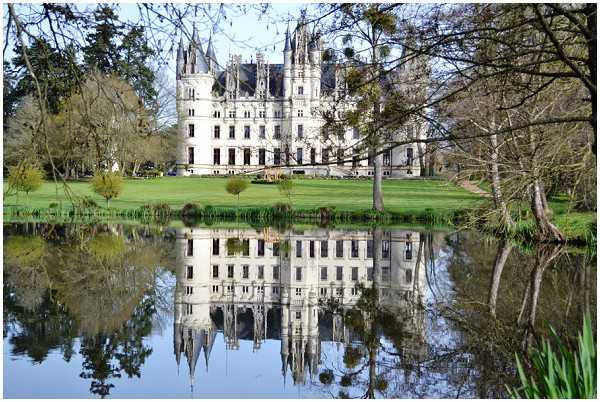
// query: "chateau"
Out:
[277,286]
[249,116]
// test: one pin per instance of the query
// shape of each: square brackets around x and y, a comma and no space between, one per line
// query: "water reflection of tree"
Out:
[385,344]
[99,285]
[506,299]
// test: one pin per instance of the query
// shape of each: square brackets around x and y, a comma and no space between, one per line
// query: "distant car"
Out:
[171,173]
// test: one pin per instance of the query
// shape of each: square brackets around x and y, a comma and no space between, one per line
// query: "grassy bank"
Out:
[401,196]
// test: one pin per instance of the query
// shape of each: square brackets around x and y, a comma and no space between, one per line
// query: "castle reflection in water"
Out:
[254,285]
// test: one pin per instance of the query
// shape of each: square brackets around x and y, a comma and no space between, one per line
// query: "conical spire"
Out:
[210,51]
[287,47]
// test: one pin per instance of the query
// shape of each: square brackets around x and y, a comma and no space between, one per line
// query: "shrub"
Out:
[190,209]
[107,184]
[565,374]
[282,208]
[286,188]
[25,177]
[235,186]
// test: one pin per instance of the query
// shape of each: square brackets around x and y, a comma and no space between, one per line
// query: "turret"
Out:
[180,66]
[211,57]
[287,65]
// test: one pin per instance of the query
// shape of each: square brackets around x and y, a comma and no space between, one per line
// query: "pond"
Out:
[136,311]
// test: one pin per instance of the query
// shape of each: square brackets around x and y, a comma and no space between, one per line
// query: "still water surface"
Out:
[242,312]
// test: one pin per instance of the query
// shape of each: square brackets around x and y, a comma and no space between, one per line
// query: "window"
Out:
[246,247]
[311,249]
[369,248]
[188,309]
[300,131]
[191,93]
[215,273]
[189,290]
[387,158]
[216,156]
[247,132]
[325,155]
[275,249]
[190,247]
[300,112]
[340,157]
[217,132]
[190,272]
[298,248]
[298,315]
[190,130]
[231,132]
[298,291]
[245,289]
[230,289]
[262,114]
[246,114]
[261,156]
[260,289]
[261,272]
[277,133]
[354,273]
[340,291]
[276,156]
[354,291]
[215,248]
[408,276]
[191,155]
[275,290]
[298,273]
[409,156]
[246,156]
[355,134]
[191,112]
[245,271]
[385,249]
[324,248]
[278,114]
[323,273]
[313,156]
[261,132]
[276,272]
[261,247]
[299,155]
[339,248]
[230,271]
[339,273]
[232,114]
[301,90]
[217,114]
[231,156]
[323,291]
[215,288]
[354,249]
[370,273]
[408,251]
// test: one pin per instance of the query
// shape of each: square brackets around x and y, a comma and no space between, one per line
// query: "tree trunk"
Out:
[591,16]
[377,183]
[504,249]
[422,157]
[505,219]
[547,231]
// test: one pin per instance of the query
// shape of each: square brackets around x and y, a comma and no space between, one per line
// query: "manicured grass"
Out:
[347,195]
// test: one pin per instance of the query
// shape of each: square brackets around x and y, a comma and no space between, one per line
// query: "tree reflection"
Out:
[95,283]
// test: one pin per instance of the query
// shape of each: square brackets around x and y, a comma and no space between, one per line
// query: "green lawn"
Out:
[350,195]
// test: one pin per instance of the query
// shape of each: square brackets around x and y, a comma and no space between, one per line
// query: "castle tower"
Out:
[194,98]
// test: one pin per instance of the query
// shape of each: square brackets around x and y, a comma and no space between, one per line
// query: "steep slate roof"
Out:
[248,79]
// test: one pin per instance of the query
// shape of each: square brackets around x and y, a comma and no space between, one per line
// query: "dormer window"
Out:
[300,90]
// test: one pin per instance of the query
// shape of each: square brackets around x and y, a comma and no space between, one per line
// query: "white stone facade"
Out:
[283,281]
[255,115]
